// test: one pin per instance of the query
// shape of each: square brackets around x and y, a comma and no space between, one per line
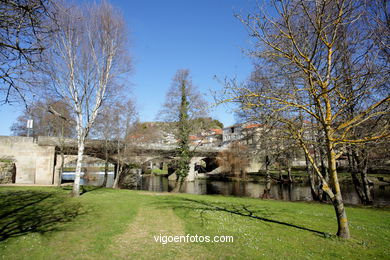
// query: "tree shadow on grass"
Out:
[83,188]
[23,212]
[261,214]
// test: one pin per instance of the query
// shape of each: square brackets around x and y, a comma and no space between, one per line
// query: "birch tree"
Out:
[298,53]
[86,59]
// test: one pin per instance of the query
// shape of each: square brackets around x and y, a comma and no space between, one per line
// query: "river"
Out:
[289,192]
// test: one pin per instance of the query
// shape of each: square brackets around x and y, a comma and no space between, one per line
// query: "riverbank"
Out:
[45,223]
[296,176]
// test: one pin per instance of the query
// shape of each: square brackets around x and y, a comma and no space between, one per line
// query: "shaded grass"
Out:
[87,236]
[247,220]
[98,222]
[23,212]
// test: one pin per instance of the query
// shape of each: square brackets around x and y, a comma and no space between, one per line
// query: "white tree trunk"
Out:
[80,153]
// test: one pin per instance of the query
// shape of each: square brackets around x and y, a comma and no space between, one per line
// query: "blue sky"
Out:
[200,35]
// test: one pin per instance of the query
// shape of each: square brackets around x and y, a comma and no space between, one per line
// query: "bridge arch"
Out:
[156,162]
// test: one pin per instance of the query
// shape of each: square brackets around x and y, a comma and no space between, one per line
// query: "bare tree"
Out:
[86,59]
[378,19]
[45,122]
[235,160]
[269,142]
[112,126]
[23,33]
[197,106]
[299,79]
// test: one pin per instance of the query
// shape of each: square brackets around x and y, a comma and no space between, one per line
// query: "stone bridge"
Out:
[37,159]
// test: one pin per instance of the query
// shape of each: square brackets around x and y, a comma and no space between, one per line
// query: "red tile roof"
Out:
[216,131]
[253,126]
[194,137]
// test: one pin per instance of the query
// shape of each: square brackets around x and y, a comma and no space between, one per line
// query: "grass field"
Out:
[45,223]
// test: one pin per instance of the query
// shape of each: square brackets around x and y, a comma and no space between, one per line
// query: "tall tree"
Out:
[183,131]
[196,107]
[183,103]
[86,59]
[299,79]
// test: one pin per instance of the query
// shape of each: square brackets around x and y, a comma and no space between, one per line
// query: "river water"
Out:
[289,192]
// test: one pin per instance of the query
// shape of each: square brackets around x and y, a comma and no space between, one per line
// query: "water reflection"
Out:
[285,191]
[95,179]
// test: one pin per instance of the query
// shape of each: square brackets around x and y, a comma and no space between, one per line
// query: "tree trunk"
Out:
[280,191]
[324,172]
[290,180]
[178,184]
[61,169]
[352,167]
[280,175]
[337,200]
[365,181]
[267,188]
[62,155]
[357,185]
[117,177]
[80,152]
[317,193]
[361,186]
[341,215]
[314,191]
[104,184]
[118,168]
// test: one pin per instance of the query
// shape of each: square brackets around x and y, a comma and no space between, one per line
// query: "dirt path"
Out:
[138,241]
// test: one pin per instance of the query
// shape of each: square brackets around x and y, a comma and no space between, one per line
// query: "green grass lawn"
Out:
[45,223]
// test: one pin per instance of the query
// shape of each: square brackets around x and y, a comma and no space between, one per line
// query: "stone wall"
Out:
[7,172]
[34,163]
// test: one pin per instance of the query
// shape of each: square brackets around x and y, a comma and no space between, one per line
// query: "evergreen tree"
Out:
[183,150]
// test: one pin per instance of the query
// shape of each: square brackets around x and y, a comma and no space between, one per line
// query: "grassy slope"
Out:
[117,224]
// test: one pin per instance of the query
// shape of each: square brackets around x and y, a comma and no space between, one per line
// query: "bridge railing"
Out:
[71,142]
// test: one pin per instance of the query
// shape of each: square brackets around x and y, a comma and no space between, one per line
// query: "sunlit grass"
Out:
[118,224]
